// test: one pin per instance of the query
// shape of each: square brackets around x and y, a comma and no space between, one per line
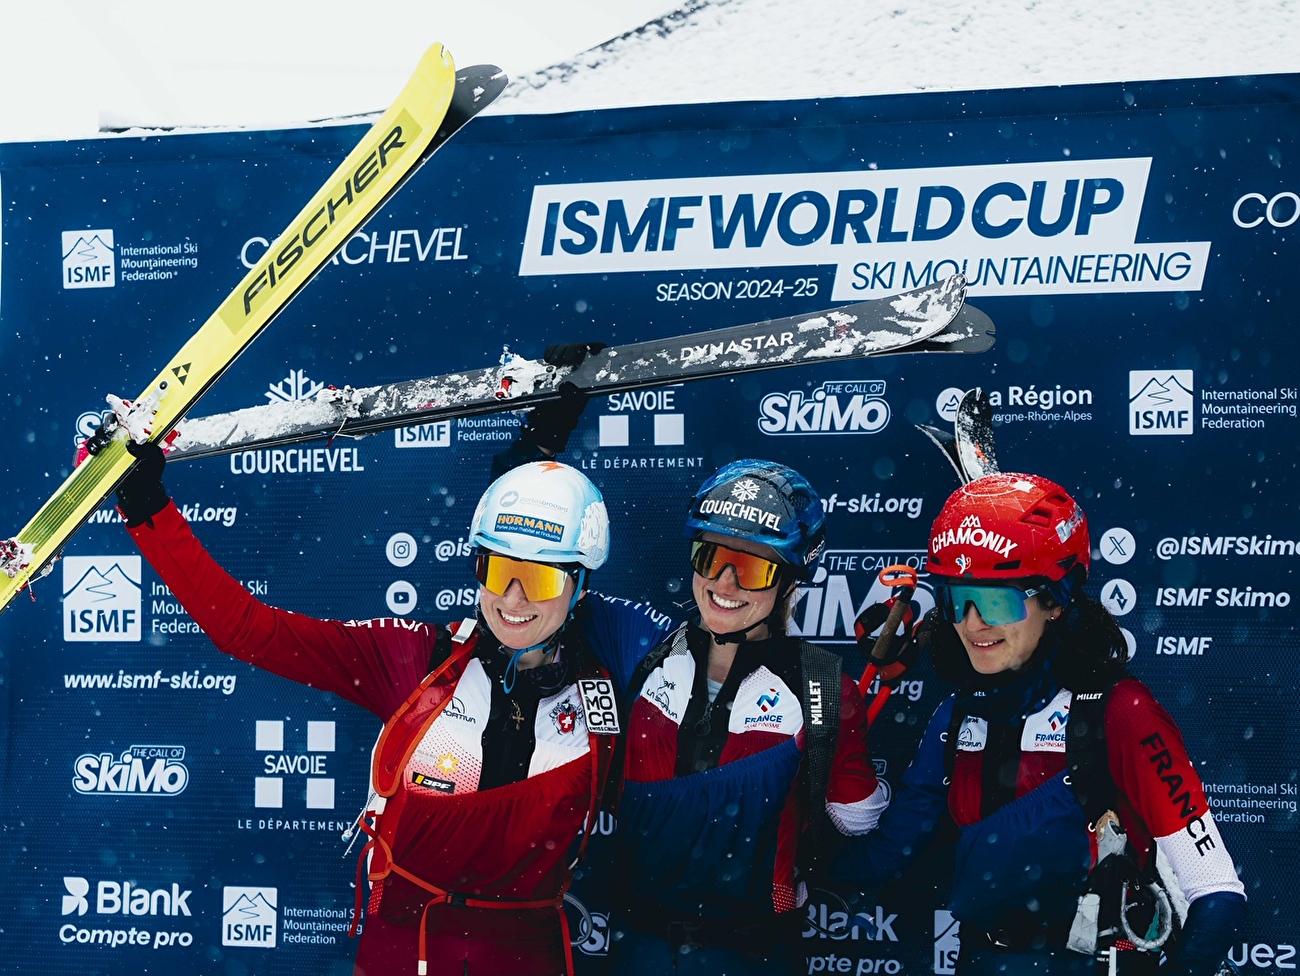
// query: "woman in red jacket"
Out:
[1049,758]
[489,763]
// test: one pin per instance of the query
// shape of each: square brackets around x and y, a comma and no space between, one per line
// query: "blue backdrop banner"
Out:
[167,809]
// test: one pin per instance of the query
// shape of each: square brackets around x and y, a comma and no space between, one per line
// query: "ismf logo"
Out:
[89,260]
[769,701]
[268,790]
[248,917]
[101,598]
[424,435]
[1160,401]
[947,942]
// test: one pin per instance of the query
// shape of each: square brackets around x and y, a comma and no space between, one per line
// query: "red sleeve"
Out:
[1150,766]
[853,797]
[373,663]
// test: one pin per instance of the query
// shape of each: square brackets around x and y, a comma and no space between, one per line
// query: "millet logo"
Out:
[1160,401]
[89,260]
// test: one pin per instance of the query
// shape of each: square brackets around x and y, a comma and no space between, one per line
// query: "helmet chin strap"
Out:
[551,643]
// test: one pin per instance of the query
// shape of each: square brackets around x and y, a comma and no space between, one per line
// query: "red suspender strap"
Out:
[410,722]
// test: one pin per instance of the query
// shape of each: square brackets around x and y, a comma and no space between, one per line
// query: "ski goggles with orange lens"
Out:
[709,559]
[541,581]
[996,605]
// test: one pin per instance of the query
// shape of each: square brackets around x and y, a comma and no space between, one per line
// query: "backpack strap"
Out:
[819,693]
[955,722]
[673,643]
[1086,755]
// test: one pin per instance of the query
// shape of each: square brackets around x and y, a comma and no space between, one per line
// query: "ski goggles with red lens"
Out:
[753,572]
[996,605]
[541,581]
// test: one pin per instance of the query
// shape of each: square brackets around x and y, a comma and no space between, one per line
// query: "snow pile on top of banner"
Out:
[733,50]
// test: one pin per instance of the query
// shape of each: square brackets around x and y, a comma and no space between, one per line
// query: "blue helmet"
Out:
[763,502]
[545,512]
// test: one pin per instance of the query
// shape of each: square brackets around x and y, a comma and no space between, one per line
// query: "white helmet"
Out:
[545,512]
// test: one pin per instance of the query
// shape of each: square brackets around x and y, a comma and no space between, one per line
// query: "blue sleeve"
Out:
[621,633]
[915,813]
[1211,927]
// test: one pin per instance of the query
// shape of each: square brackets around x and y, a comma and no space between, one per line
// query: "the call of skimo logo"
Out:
[143,770]
[836,407]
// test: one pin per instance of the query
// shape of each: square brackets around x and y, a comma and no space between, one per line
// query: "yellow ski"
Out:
[408,133]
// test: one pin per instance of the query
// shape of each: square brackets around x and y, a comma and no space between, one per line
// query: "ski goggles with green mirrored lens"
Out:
[753,572]
[996,605]
[541,581]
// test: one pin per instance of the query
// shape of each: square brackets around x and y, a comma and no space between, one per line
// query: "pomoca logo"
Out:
[146,770]
[837,407]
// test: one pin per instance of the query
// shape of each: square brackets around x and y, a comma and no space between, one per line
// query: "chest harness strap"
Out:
[411,721]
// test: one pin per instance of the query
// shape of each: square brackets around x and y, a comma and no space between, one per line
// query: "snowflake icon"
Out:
[746,489]
[296,386]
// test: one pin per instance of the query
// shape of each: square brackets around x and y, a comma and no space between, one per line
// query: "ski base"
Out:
[925,319]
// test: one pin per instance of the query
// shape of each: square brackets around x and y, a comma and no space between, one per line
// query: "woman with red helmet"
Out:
[1084,833]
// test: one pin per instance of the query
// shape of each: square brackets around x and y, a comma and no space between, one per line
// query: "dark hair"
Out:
[1092,652]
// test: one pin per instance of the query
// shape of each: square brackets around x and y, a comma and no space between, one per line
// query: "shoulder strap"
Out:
[404,730]
[955,722]
[1086,755]
[676,641]
[820,672]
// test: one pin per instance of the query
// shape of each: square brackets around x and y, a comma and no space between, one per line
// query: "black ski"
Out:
[925,319]
[970,448]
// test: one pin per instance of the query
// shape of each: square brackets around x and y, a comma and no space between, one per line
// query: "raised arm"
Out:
[373,663]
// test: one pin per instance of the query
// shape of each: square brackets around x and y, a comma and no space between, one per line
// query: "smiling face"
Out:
[726,608]
[1009,647]
[519,622]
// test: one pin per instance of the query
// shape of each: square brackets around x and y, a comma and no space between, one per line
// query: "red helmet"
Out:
[1009,526]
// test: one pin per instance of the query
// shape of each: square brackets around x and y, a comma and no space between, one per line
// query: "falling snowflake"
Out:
[746,489]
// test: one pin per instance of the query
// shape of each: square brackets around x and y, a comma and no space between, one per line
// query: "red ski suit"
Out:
[511,842]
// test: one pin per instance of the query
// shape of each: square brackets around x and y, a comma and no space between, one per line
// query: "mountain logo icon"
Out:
[89,259]
[249,917]
[101,598]
[1161,401]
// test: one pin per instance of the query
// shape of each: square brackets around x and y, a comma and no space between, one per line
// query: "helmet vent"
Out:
[1039,516]
[1009,564]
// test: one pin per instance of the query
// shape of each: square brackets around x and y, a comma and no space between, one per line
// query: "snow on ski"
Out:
[925,319]
[970,448]
[434,104]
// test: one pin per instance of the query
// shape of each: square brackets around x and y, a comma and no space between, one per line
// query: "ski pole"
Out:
[883,659]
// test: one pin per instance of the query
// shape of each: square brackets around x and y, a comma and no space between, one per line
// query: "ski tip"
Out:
[438,52]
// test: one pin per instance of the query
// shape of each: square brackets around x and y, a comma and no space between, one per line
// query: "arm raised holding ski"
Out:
[433,106]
